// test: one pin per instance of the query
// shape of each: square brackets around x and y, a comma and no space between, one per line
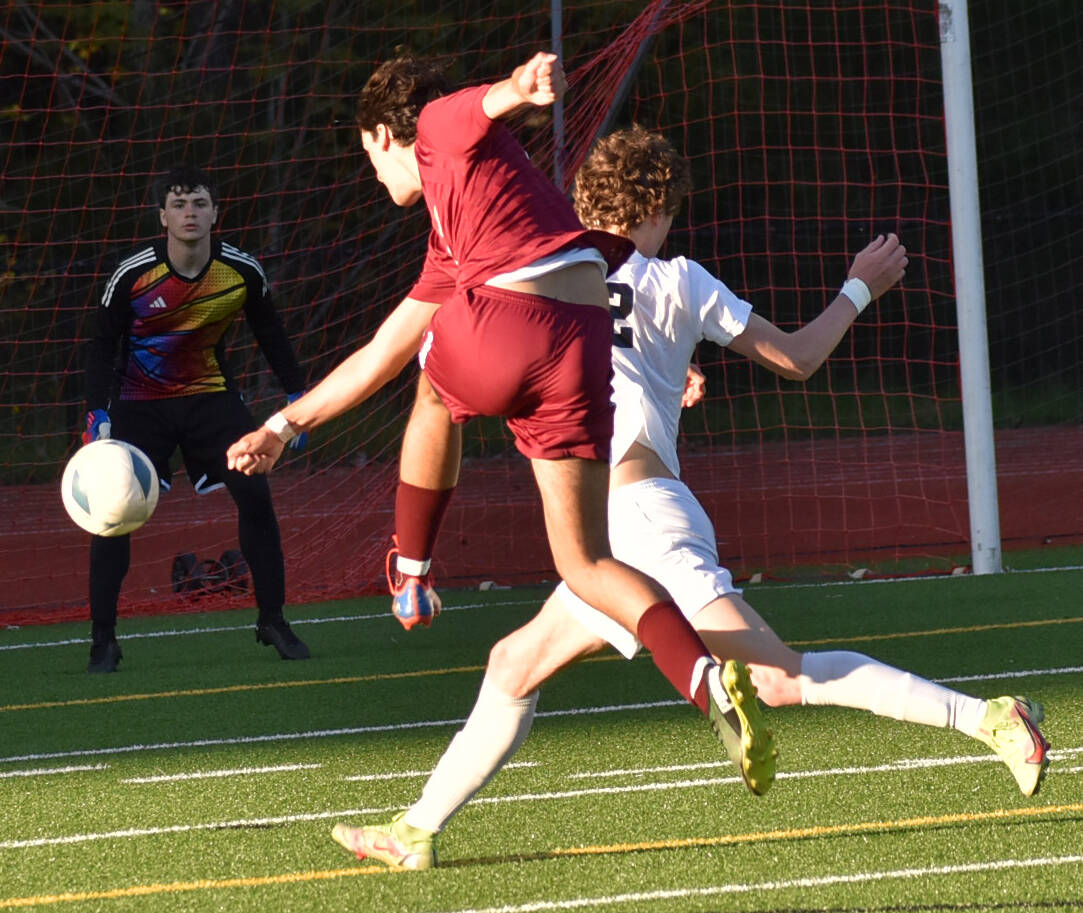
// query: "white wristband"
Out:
[858,292]
[412,567]
[280,427]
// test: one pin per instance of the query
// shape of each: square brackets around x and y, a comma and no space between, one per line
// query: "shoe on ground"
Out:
[104,657]
[279,635]
[397,844]
[738,722]
[413,599]
[1010,728]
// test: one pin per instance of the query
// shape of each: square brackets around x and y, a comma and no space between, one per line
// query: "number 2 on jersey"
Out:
[620,308]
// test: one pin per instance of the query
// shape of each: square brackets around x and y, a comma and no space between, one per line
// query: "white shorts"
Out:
[658,527]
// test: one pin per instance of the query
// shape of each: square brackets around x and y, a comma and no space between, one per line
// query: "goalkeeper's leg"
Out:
[110,558]
[261,544]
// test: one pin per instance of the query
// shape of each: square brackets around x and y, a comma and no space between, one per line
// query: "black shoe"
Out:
[277,634]
[104,657]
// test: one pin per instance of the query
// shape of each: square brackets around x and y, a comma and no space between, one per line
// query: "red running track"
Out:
[774,505]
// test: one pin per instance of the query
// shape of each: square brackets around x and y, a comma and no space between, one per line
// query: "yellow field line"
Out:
[210,884]
[203,884]
[454,670]
[229,689]
[801,833]
[968,629]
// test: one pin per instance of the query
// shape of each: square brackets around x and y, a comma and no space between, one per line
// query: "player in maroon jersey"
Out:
[519,327]
[165,312]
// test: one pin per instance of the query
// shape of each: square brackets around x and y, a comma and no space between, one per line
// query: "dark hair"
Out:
[395,94]
[184,179]
[628,177]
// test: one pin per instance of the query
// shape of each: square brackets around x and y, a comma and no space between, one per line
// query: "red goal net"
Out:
[810,128]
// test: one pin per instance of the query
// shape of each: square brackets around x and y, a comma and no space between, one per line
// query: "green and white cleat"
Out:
[397,844]
[1010,728]
[738,722]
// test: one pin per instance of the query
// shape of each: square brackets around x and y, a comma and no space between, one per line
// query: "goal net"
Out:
[811,128]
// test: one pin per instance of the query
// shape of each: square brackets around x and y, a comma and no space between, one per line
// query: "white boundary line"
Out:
[416,774]
[423,724]
[212,774]
[902,764]
[180,632]
[48,771]
[819,881]
[1022,673]
[313,734]
[224,629]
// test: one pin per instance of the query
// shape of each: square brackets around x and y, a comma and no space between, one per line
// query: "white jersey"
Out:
[661,310]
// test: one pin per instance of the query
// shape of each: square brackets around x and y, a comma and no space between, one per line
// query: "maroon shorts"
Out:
[542,364]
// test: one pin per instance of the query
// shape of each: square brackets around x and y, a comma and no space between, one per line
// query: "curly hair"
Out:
[395,94]
[629,176]
[184,179]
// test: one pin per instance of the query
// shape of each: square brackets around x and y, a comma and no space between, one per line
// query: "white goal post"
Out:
[981,472]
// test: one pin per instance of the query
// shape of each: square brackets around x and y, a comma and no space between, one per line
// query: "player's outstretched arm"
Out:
[540,81]
[695,387]
[881,265]
[368,369]
[798,355]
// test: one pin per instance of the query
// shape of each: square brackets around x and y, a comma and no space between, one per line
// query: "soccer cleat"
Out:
[738,722]
[397,844]
[413,600]
[104,657]
[278,634]
[1010,728]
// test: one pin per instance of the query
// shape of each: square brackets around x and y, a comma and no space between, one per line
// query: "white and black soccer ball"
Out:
[109,488]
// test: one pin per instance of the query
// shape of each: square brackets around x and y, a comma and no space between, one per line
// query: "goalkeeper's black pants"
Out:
[258,536]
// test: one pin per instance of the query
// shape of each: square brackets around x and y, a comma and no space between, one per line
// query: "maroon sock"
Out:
[418,515]
[675,648]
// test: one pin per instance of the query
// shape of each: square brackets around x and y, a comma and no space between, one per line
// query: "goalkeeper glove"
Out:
[98,426]
[298,443]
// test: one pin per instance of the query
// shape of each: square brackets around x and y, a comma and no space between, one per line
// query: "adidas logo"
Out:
[158,303]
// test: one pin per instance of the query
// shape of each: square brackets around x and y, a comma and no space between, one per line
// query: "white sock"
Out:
[846,679]
[493,732]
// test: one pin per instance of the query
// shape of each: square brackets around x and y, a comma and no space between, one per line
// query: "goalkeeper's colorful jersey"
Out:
[170,330]
[661,310]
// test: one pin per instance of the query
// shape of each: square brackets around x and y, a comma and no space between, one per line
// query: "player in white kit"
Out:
[633,184]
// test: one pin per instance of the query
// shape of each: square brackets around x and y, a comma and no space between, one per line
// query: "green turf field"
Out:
[206,775]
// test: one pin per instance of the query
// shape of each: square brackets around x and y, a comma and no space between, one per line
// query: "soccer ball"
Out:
[109,488]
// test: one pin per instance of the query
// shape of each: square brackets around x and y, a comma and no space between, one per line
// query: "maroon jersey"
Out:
[492,211]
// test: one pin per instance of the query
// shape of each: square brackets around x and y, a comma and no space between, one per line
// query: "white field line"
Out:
[1022,673]
[511,602]
[818,881]
[221,629]
[393,727]
[213,774]
[311,734]
[905,764]
[413,774]
[902,764]
[47,771]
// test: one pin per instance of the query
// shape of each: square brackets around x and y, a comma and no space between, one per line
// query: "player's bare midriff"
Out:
[580,283]
[637,464]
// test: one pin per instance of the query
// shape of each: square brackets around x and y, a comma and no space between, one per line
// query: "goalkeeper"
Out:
[156,377]
[633,183]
